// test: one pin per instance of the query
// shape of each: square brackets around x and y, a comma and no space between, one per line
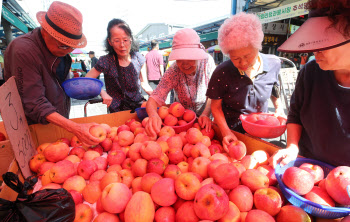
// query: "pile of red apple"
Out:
[176,115]
[308,181]
[174,177]
[265,119]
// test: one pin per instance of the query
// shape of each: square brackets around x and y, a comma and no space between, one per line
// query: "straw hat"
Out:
[64,23]
[316,34]
[187,46]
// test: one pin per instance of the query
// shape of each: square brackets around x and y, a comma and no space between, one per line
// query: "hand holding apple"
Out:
[81,130]
[204,122]
[228,137]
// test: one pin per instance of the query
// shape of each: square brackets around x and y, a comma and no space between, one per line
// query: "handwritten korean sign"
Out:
[287,11]
[16,125]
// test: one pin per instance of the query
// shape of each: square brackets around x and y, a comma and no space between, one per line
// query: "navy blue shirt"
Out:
[322,107]
[241,95]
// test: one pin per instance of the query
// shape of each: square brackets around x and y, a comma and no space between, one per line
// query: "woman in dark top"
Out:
[122,66]
[318,123]
[243,84]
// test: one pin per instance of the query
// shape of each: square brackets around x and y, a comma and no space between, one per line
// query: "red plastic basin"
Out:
[263,131]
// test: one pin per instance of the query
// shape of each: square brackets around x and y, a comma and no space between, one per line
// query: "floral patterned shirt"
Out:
[130,78]
[190,89]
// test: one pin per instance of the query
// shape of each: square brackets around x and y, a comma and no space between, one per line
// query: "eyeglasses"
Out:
[120,42]
[64,47]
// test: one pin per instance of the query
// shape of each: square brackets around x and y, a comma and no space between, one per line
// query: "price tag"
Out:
[16,125]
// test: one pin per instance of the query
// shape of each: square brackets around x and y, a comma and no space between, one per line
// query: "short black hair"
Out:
[154,43]
[92,52]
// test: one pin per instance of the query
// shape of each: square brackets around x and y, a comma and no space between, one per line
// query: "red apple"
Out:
[237,149]
[78,151]
[188,115]
[337,182]
[211,202]
[298,180]
[176,109]
[163,192]
[187,185]
[83,213]
[99,132]
[115,197]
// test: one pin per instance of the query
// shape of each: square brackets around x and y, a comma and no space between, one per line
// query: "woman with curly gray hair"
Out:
[318,124]
[244,83]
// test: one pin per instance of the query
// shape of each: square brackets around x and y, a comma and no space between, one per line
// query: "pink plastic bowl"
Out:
[179,129]
[263,131]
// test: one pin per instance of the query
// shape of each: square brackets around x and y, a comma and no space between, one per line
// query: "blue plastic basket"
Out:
[82,88]
[309,206]
[141,113]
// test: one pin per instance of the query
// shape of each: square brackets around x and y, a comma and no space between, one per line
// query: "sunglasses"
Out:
[64,47]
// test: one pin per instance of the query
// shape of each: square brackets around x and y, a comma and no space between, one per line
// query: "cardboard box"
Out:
[18,163]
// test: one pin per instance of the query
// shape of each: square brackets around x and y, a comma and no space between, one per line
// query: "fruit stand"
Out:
[174,177]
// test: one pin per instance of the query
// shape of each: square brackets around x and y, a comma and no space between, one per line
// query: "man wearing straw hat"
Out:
[40,62]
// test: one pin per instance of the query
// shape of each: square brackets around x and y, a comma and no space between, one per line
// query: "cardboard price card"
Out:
[16,125]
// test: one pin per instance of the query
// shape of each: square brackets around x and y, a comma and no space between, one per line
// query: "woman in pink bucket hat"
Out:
[189,77]
[318,123]
[40,62]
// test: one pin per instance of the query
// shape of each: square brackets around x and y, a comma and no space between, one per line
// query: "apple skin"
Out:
[163,111]
[298,180]
[320,196]
[78,151]
[211,202]
[42,147]
[185,212]
[268,200]
[176,109]
[187,185]
[226,176]
[75,142]
[36,161]
[83,213]
[99,132]
[336,183]
[290,211]
[315,170]
[163,192]
[237,149]
[76,183]
[188,115]
[77,197]
[2,137]
[64,140]
[209,134]
[170,120]
[56,151]
[165,214]
[258,216]
[242,197]
[254,179]
[86,168]
[115,197]
[61,171]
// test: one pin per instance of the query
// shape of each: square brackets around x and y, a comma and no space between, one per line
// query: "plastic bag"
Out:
[41,206]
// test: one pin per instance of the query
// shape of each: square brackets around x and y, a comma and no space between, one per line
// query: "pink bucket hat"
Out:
[64,23]
[187,46]
[316,34]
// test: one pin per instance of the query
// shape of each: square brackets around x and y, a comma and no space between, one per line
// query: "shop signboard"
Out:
[286,11]
[274,39]
[11,18]
[275,28]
